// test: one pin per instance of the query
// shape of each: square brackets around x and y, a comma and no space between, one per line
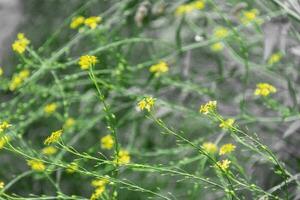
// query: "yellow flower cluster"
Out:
[220,32]
[226,149]
[50,108]
[91,22]
[189,7]
[107,142]
[18,79]
[20,44]
[1,71]
[3,140]
[99,185]
[1,184]
[224,164]
[160,68]
[275,58]
[4,125]
[210,147]
[264,89]
[48,151]
[36,165]
[70,122]
[146,103]
[123,157]
[209,107]
[250,16]
[218,46]
[72,167]
[227,124]
[54,137]
[87,61]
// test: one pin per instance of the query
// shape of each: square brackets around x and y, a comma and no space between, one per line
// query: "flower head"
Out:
[36,165]
[226,148]
[227,124]
[4,125]
[92,22]
[250,16]
[87,61]
[146,103]
[76,22]
[72,167]
[1,184]
[20,44]
[107,142]
[69,123]
[264,89]
[99,185]
[18,79]
[224,164]
[160,68]
[220,32]
[275,58]
[54,137]
[1,71]
[123,157]
[209,107]
[189,7]
[216,47]
[48,151]
[50,108]
[210,147]
[3,140]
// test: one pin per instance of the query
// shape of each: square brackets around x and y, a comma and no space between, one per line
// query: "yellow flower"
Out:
[54,137]
[160,68]
[50,108]
[92,22]
[1,71]
[3,140]
[76,22]
[210,147]
[72,167]
[20,44]
[49,150]
[4,125]
[226,148]
[275,58]
[99,184]
[264,89]
[209,107]
[224,164]
[189,7]
[18,79]
[220,32]
[107,142]
[36,165]
[87,61]
[227,124]
[146,103]
[216,47]
[123,157]
[69,123]
[1,184]
[249,16]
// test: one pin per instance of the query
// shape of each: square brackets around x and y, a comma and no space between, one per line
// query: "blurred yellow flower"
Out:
[146,103]
[1,184]
[36,165]
[160,68]
[123,157]
[226,148]
[216,47]
[92,22]
[220,32]
[227,124]
[99,185]
[18,79]
[210,147]
[224,164]
[20,44]
[97,193]
[3,140]
[48,151]
[99,182]
[50,108]
[87,61]
[69,123]
[264,89]
[250,16]
[54,137]
[209,107]
[189,7]
[72,168]
[107,142]
[76,22]
[1,71]
[4,125]
[275,58]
